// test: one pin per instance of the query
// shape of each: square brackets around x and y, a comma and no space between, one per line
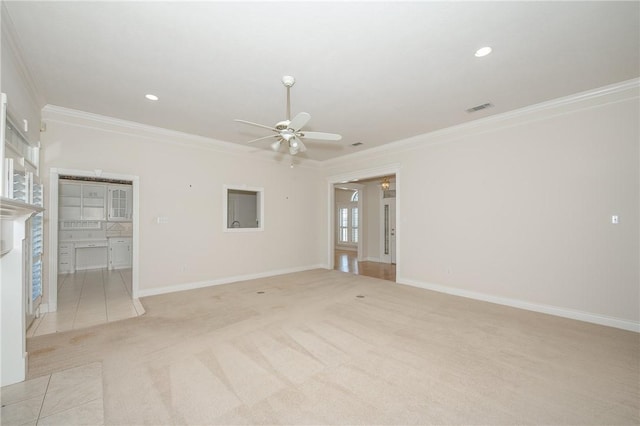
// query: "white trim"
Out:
[345,247]
[54,174]
[225,207]
[521,304]
[373,259]
[52,293]
[226,280]
[536,112]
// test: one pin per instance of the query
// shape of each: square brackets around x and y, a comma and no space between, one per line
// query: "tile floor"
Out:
[87,298]
[68,397]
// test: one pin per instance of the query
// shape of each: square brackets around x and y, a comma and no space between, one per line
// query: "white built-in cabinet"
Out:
[82,201]
[92,232]
[120,253]
[66,258]
[120,202]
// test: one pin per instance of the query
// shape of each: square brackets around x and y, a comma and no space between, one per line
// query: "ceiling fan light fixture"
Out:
[289,131]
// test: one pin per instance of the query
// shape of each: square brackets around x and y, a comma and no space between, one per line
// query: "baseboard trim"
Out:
[373,259]
[535,307]
[225,280]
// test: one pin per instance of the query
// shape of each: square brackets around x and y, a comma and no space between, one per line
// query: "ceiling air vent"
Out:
[480,107]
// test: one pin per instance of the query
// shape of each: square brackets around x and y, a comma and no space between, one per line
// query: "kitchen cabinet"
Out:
[81,201]
[93,202]
[120,202]
[90,254]
[66,257]
[120,253]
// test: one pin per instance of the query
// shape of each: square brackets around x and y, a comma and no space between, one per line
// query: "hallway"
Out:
[347,261]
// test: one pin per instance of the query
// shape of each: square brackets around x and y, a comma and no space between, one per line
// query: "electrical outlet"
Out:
[615,219]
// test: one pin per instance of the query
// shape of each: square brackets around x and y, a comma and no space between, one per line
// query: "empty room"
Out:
[302,212]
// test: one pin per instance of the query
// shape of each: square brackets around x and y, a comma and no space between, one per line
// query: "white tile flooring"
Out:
[87,298]
[68,397]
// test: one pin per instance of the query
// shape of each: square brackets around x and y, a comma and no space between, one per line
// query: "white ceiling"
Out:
[375,72]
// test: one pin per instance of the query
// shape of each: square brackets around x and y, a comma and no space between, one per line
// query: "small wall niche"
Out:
[243,208]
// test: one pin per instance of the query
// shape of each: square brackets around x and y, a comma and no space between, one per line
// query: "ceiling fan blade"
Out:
[299,121]
[262,138]
[321,136]
[255,124]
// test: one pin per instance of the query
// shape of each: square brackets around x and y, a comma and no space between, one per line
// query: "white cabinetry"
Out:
[119,253]
[70,201]
[120,201]
[66,257]
[82,201]
[93,202]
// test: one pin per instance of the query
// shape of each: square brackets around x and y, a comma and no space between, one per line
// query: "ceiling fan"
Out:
[290,131]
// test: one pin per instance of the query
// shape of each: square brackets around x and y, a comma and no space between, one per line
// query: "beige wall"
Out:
[371,217]
[518,210]
[185,184]
[22,100]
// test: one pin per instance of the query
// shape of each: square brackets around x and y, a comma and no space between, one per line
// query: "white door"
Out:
[389,230]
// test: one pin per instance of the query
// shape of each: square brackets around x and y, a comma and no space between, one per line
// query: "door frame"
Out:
[389,169]
[54,177]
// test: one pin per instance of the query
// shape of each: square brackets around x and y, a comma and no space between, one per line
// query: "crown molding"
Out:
[613,93]
[54,113]
[9,34]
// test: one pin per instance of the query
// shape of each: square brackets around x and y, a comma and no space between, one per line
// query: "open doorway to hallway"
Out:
[364,226]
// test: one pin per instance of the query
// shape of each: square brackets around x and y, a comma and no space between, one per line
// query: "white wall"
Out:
[23,101]
[181,177]
[517,209]
[372,224]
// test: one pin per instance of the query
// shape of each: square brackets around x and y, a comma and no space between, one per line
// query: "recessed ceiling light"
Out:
[483,51]
[151,97]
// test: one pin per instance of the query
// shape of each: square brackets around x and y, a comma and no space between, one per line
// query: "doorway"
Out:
[103,290]
[377,254]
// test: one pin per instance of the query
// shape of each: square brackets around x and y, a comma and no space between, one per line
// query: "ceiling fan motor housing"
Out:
[288,81]
[283,125]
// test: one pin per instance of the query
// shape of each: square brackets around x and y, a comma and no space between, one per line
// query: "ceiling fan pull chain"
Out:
[288,103]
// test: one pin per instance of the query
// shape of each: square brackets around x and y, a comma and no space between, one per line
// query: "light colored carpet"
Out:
[310,351]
